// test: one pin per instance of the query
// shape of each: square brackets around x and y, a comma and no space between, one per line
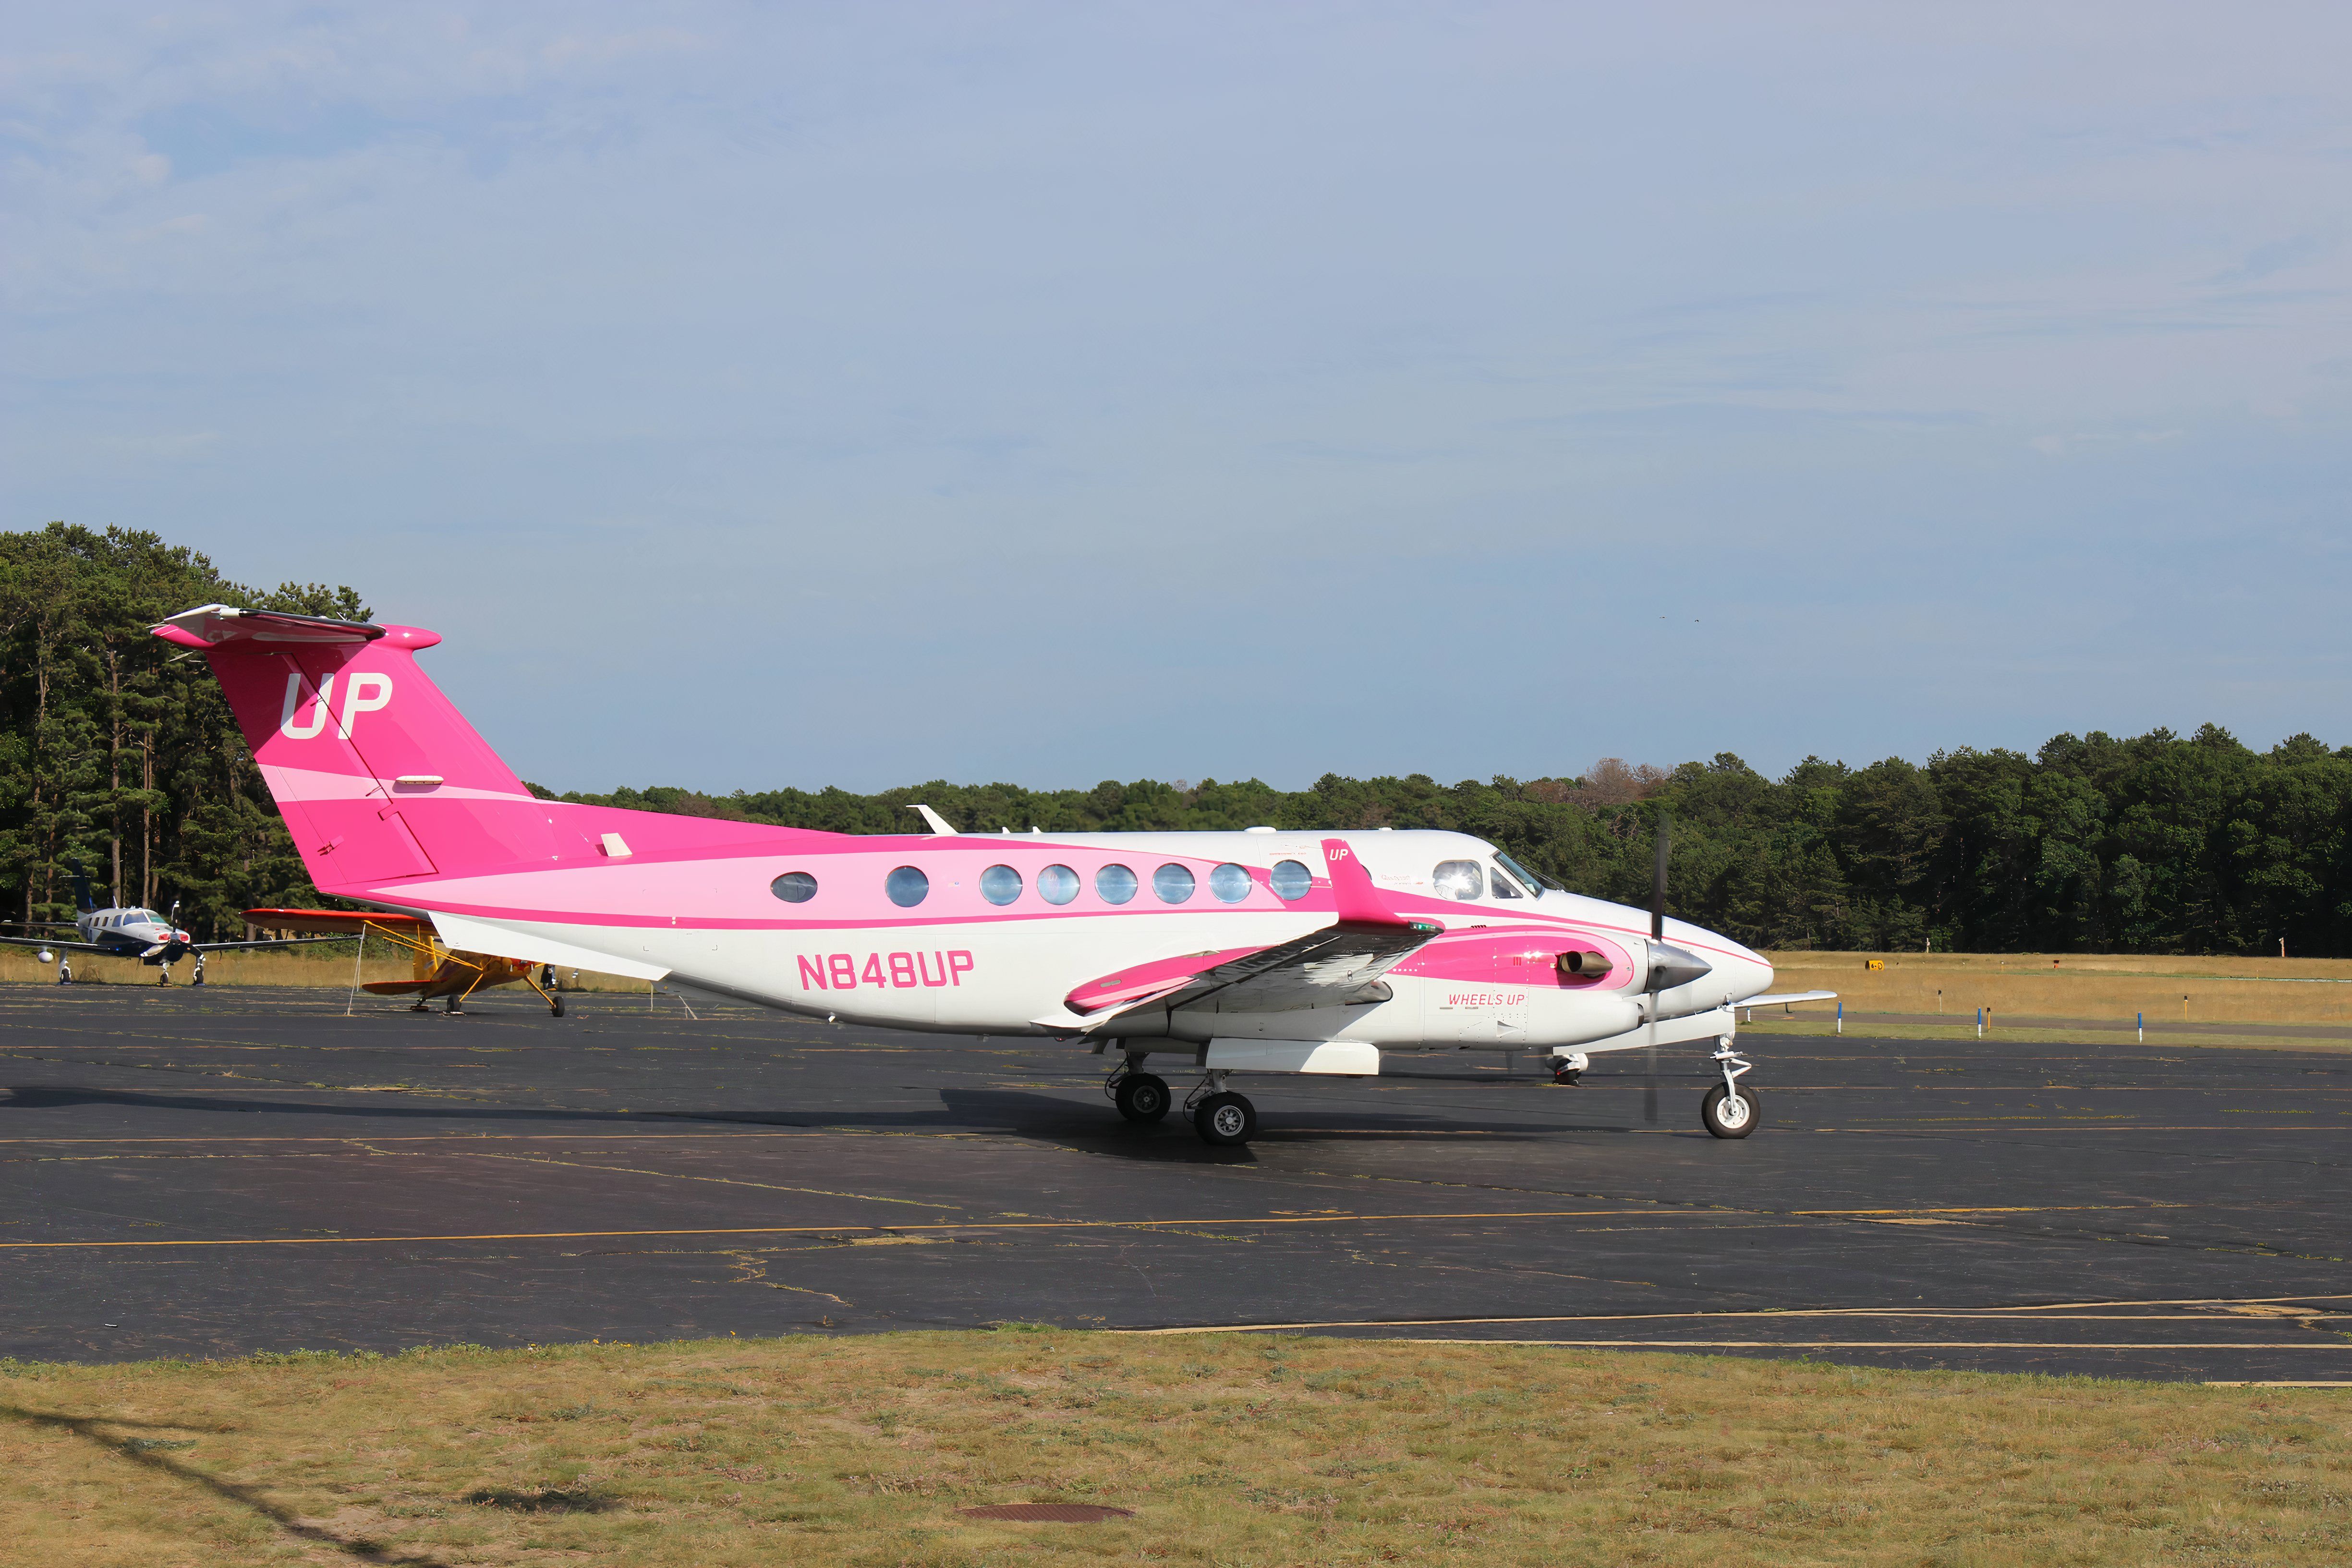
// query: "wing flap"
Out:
[1334,966]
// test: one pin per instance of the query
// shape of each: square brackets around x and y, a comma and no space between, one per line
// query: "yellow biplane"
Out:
[438,970]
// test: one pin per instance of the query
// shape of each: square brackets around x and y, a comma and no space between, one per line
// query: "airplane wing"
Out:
[56,946]
[281,942]
[1780,998]
[340,922]
[1338,964]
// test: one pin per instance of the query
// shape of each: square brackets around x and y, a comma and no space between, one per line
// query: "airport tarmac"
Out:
[211,1172]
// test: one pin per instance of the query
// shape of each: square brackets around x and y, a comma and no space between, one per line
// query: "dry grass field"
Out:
[2169,990]
[1229,1450]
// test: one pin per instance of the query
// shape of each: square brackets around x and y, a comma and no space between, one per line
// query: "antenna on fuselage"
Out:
[1657,939]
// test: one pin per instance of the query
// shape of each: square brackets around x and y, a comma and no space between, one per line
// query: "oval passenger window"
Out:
[1058,884]
[907,887]
[1172,882]
[1230,883]
[1116,884]
[999,884]
[1459,879]
[1292,879]
[794,887]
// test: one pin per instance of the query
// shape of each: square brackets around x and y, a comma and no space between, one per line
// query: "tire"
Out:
[1738,1122]
[1566,1077]
[556,1006]
[1225,1120]
[1141,1097]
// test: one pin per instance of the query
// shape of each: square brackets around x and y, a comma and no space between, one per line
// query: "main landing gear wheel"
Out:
[556,1006]
[1227,1119]
[1727,1114]
[1141,1097]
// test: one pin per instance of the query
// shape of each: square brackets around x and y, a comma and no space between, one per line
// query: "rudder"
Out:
[380,778]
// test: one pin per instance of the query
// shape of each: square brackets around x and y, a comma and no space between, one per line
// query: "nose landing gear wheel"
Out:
[1141,1097]
[1225,1120]
[1728,1115]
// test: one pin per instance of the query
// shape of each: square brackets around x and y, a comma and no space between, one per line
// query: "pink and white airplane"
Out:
[1258,952]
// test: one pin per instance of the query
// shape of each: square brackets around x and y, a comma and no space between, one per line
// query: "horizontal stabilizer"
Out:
[506,940]
[225,627]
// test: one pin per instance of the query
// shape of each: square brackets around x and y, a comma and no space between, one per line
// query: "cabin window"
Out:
[1230,883]
[1115,884]
[999,884]
[1172,882]
[1058,884]
[1292,879]
[1503,886]
[907,887]
[794,887]
[1459,879]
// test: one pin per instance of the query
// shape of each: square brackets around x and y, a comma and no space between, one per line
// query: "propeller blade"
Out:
[1657,935]
[1658,880]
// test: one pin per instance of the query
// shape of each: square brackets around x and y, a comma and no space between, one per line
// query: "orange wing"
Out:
[337,922]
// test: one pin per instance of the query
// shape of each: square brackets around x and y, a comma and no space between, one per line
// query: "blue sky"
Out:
[771,395]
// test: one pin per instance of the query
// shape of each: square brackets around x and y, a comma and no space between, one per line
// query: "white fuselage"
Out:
[975,968]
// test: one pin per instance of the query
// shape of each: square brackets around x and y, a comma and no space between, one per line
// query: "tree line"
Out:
[2162,843]
[118,755]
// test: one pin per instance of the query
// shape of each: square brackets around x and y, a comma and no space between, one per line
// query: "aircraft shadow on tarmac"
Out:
[1022,1115]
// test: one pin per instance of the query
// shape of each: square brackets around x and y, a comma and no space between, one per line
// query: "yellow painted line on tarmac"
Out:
[1884,1345]
[831,1229]
[2054,1124]
[2056,1311]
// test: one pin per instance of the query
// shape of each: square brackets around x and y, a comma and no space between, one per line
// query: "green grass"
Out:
[1232,1450]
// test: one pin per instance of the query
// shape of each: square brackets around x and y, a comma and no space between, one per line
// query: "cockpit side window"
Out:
[1459,879]
[1503,885]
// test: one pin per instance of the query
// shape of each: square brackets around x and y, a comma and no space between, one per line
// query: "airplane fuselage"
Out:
[138,933]
[984,934]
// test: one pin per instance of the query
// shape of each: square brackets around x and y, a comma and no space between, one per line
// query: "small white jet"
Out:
[1254,952]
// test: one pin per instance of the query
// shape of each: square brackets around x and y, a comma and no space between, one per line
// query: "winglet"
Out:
[1352,885]
[936,823]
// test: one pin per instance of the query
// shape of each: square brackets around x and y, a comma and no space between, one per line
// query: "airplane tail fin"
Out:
[379,776]
[82,899]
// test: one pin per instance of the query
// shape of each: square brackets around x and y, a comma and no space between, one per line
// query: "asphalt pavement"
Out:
[212,1173]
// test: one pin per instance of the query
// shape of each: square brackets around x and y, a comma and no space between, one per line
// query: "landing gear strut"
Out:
[1729,1111]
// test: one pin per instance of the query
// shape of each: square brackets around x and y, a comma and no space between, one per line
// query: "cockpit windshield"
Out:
[1532,878]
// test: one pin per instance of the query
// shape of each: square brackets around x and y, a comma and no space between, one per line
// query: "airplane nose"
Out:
[1746,974]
